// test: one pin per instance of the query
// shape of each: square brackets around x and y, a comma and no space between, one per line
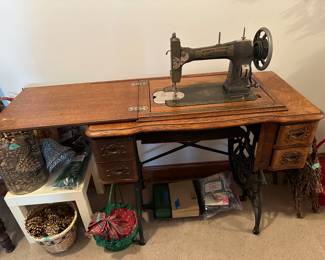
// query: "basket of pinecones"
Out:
[53,226]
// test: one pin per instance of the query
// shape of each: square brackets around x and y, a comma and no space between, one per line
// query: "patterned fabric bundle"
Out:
[55,154]
[116,227]
[119,224]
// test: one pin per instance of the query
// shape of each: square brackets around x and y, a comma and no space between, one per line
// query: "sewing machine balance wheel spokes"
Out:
[263,48]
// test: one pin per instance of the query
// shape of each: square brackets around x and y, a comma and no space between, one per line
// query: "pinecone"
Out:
[50,221]
[28,164]
[52,229]
[35,226]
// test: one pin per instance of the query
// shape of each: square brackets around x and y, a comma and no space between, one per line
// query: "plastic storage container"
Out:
[21,162]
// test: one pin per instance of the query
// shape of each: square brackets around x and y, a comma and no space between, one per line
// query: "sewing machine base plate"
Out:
[208,93]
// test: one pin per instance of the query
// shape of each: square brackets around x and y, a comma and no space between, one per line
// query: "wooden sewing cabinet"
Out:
[273,132]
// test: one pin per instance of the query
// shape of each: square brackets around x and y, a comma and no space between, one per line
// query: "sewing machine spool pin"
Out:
[237,87]
[244,31]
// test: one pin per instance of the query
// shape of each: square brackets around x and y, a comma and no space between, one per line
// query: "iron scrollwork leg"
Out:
[241,157]
[138,191]
[138,187]
[254,195]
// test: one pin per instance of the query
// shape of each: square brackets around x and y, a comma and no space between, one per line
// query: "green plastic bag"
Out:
[72,175]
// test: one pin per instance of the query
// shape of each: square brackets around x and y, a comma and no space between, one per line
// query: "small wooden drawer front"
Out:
[291,158]
[111,172]
[119,149]
[298,134]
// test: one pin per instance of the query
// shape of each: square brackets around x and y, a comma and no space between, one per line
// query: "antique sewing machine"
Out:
[239,82]
[268,124]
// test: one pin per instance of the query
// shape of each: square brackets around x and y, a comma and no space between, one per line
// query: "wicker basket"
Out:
[62,241]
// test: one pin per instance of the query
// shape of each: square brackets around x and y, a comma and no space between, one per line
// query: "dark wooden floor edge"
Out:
[175,172]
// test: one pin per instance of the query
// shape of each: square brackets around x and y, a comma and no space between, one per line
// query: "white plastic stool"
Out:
[49,194]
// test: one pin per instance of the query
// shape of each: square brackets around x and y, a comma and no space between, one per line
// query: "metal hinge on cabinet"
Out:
[139,83]
[137,109]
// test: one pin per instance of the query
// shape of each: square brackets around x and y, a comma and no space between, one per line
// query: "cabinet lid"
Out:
[72,104]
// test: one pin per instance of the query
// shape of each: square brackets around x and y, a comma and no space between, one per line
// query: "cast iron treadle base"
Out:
[138,197]
[241,157]
[241,151]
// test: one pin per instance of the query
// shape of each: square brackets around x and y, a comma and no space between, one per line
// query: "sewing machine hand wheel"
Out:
[263,48]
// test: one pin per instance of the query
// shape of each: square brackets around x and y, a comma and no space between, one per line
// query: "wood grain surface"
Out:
[289,158]
[98,103]
[263,155]
[299,109]
[297,134]
[186,171]
[73,104]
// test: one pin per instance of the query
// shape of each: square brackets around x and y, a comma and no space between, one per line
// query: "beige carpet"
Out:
[227,236]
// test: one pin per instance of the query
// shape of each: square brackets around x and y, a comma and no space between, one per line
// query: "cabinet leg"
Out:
[254,195]
[241,151]
[138,196]
[5,240]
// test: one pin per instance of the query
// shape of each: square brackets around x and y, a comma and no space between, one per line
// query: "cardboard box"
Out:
[183,199]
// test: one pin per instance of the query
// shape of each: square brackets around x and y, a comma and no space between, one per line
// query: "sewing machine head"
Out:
[240,53]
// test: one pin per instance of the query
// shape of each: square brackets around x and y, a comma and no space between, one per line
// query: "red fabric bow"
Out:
[119,224]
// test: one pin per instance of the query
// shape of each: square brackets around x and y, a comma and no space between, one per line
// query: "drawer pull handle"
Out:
[113,149]
[298,134]
[291,157]
[118,171]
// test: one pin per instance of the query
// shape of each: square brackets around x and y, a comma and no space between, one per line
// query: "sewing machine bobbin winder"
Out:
[239,82]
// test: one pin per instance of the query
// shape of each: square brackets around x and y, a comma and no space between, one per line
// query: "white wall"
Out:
[64,41]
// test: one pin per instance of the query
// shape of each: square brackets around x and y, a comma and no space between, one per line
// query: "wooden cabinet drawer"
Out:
[119,149]
[125,171]
[297,134]
[291,158]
